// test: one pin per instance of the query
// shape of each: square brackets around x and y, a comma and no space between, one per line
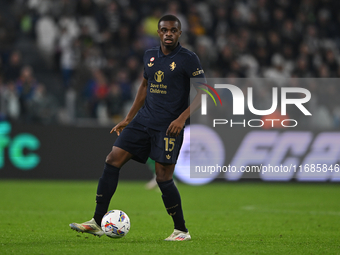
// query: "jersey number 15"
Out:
[171,142]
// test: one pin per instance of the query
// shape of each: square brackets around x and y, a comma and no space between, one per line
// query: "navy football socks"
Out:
[106,188]
[172,202]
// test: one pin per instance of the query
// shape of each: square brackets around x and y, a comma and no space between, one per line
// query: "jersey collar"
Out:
[172,54]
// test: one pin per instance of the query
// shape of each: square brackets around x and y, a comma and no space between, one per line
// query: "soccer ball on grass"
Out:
[115,224]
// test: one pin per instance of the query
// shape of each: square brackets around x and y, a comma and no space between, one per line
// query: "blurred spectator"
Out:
[195,23]
[94,59]
[289,34]
[219,27]
[262,56]
[133,66]
[26,86]
[63,7]
[174,8]
[13,68]
[124,84]
[47,32]
[302,70]
[323,71]
[326,28]
[70,24]
[43,108]
[7,37]
[85,38]
[311,38]
[124,44]
[274,41]
[111,18]
[69,55]
[150,23]
[85,8]
[277,72]
[331,62]
[9,102]
[224,60]
[95,91]
[114,101]
[40,6]
[205,52]
[305,53]
[150,27]
[288,55]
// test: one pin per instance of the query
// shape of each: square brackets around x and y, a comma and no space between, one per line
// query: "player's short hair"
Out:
[170,17]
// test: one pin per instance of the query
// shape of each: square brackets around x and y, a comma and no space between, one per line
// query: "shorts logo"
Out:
[172,66]
[159,76]
[168,156]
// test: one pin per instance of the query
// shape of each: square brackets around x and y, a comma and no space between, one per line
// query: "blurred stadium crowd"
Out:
[80,61]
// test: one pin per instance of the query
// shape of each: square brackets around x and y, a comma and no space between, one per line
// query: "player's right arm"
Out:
[137,104]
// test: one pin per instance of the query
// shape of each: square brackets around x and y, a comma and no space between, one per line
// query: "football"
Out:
[115,224]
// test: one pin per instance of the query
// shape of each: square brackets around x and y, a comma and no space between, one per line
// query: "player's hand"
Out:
[175,127]
[119,127]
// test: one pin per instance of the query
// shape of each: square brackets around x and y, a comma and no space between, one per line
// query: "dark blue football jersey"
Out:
[168,90]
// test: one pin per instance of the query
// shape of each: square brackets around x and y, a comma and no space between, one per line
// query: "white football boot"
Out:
[90,227]
[178,235]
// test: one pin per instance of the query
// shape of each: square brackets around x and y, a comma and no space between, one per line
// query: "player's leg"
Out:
[172,201]
[170,194]
[165,151]
[106,188]
[109,180]
[133,142]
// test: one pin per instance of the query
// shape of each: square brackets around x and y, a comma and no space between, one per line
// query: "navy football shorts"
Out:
[143,142]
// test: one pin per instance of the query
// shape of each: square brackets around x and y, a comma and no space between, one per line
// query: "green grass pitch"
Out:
[223,218]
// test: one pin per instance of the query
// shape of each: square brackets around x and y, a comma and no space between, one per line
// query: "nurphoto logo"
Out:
[280,98]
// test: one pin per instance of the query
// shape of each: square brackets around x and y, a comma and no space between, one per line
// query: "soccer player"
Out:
[154,126]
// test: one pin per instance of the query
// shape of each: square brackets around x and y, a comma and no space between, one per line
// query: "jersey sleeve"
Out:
[193,67]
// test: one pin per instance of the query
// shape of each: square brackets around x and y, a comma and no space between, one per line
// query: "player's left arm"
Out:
[177,125]
[192,65]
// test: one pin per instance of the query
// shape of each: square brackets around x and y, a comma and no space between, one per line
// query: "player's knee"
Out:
[164,172]
[160,179]
[111,160]
[118,157]
[163,177]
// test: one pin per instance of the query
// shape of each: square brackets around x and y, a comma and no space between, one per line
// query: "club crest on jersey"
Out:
[159,76]
[151,60]
[172,66]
